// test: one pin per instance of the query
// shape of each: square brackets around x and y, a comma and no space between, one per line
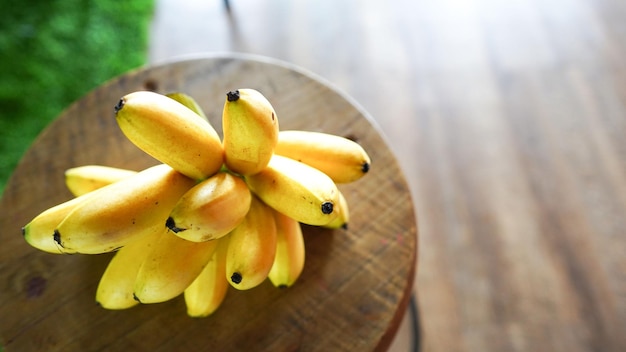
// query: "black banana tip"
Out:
[171,224]
[327,207]
[365,167]
[233,95]
[119,105]
[57,238]
[236,278]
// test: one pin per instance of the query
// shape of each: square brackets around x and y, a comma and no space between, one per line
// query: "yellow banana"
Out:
[289,259]
[189,102]
[252,247]
[343,214]
[84,179]
[170,267]
[296,190]
[171,133]
[39,232]
[207,292]
[250,128]
[116,286]
[340,158]
[116,214]
[211,209]
[80,181]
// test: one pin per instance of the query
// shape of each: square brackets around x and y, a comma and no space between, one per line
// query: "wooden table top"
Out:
[356,284]
[508,119]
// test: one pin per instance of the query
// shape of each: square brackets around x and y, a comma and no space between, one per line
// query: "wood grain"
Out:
[508,119]
[356,283]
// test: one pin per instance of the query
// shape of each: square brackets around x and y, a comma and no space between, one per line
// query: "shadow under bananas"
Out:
[317,243]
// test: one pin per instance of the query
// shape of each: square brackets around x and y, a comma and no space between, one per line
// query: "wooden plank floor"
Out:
[508,118]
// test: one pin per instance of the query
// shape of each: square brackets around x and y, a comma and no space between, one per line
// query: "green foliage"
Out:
[54,52]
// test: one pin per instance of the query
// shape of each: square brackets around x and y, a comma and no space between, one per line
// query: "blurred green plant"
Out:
[55,51]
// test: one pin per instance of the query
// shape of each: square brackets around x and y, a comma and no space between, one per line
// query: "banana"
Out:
[343,214]
[207,292]
[250,128]
[171,133]
[340,158]
[296,190]
[116,286]
[84,179]
[39,232]
[170,267]
[189,102]
[252,247]
[80,181]
[116,214]
[211,209]
[289,259]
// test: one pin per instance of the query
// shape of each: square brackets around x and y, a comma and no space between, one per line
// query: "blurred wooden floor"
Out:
[508,118]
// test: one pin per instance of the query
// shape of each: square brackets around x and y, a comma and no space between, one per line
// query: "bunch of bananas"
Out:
[214,213]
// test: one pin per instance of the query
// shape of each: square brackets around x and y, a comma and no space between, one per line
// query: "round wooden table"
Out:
[356,284]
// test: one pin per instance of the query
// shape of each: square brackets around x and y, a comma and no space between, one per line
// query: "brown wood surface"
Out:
[356,283]
[509,120]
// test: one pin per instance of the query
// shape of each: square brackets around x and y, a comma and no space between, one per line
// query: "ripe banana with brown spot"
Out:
[250,129]
[340,158]
[252,247]
[207,292]
[297,190]
[290,254]
[171,133]
[211,209]
[84,179]
[116,286]
[115,215]
[170,267]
